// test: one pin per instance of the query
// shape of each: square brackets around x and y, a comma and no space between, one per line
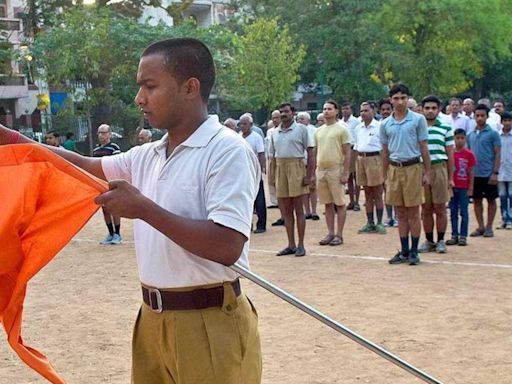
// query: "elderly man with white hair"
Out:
[144,136]
[255,141]
[231,124]
[273,123]
[311,198]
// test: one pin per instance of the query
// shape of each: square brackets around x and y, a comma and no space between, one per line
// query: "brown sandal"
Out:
[326,240]
[337,240]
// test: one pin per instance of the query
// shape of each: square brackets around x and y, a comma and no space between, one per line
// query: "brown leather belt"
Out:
[406,163]
[159,300]
[368,154]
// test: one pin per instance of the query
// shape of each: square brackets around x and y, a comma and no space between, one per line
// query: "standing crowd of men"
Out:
[411,159]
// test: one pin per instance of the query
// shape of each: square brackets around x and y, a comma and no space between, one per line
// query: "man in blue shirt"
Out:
[404,137]
[485,144]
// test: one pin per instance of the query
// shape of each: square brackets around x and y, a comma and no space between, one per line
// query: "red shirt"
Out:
[464,161]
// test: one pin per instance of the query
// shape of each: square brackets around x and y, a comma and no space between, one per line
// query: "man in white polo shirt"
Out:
[192,195]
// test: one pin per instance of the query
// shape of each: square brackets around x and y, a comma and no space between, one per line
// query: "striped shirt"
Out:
[440,136]
[108,149]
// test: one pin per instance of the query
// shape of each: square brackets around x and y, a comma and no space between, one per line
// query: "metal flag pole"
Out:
[334,324]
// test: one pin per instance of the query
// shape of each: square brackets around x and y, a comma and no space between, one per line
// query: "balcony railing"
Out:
[8,24]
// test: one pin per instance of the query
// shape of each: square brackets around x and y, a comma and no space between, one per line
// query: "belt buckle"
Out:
[158,296]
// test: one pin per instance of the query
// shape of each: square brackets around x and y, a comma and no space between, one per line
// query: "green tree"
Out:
[442,46]
[267,67]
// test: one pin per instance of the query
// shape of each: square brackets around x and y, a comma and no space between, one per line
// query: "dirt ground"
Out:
[450,316]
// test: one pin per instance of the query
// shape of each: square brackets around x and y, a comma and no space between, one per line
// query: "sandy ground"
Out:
[450,316]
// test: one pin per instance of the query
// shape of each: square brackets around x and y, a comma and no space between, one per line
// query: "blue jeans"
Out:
[505,192]
[459,204]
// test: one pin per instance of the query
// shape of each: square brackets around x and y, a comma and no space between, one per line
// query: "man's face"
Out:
[286,114]
[460,140]
[455,107]
[320,120]
[143,138]
[330,112]
[386,110]
[302,120]
[52,140]
[399,101]
[104,134]
[507,124]
[467,106]
[430,110]
[159,96]
[346,111]
[480,117]
[499,108]
[366,113]
[245,125]
[276,118]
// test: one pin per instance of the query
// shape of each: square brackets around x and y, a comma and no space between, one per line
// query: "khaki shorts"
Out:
[438,192]
[405,186]
[353,160]
[213,345]
[330,189]
[271,171]
[290,173]
[369,171]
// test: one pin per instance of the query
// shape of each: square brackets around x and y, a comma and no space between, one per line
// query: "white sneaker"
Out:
[441,247]
[116,239]
[108,240]
[427,246]
[508,226]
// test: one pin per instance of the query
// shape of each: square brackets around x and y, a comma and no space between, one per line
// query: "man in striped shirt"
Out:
[437,194]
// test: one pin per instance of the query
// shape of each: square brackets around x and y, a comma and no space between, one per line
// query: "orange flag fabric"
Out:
[45,202]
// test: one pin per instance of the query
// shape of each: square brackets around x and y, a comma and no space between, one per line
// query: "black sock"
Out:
[430,236]
[389,211]
[118,228]
[380,211]
[405,245]
[110,229]
[440,236]
[414,244]
[369,215]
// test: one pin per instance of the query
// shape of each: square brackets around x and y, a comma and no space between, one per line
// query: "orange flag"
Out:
[45,202]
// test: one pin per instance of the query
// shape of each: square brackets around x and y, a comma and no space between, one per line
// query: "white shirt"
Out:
[213,175]
[461,121]
[270,132]
[291,142]
[311,134]
[352,123]
[367,138]
[255,141]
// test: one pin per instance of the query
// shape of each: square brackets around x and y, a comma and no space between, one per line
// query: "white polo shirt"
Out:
[255,141]
[367,138]
[213,175]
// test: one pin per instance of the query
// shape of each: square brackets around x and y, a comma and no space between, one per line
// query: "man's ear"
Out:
[192,88]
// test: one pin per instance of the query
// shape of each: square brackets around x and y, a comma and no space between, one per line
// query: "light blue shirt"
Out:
[403,137]
[483,143]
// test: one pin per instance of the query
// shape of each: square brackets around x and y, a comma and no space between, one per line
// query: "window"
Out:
[3,8]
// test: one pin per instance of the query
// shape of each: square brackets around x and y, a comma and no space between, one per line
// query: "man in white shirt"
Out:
[457,119]
[256,143]
[310,199]
[369,168]
[494,120]
[353,189]
[275,118]
[192,193]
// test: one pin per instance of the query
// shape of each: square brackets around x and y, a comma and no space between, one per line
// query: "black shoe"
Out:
[309,217]
[414,259]
[259,230]
[278,222]
[315,217]
[398,259]
[272,207]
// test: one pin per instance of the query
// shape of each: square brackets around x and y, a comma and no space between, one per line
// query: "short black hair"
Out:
[482,107]
[384,101]
[69,135]
[346,104]
[287,104]
[506,116]
[399,87]
[333,102]
[455,99]
[431,99]
[459,131]
[54,133]
[186,57]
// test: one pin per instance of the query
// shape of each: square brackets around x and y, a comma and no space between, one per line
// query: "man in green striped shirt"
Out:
[437,194]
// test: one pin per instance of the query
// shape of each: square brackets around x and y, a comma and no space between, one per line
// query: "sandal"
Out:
[337,240]
[326,240]
[286,251]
